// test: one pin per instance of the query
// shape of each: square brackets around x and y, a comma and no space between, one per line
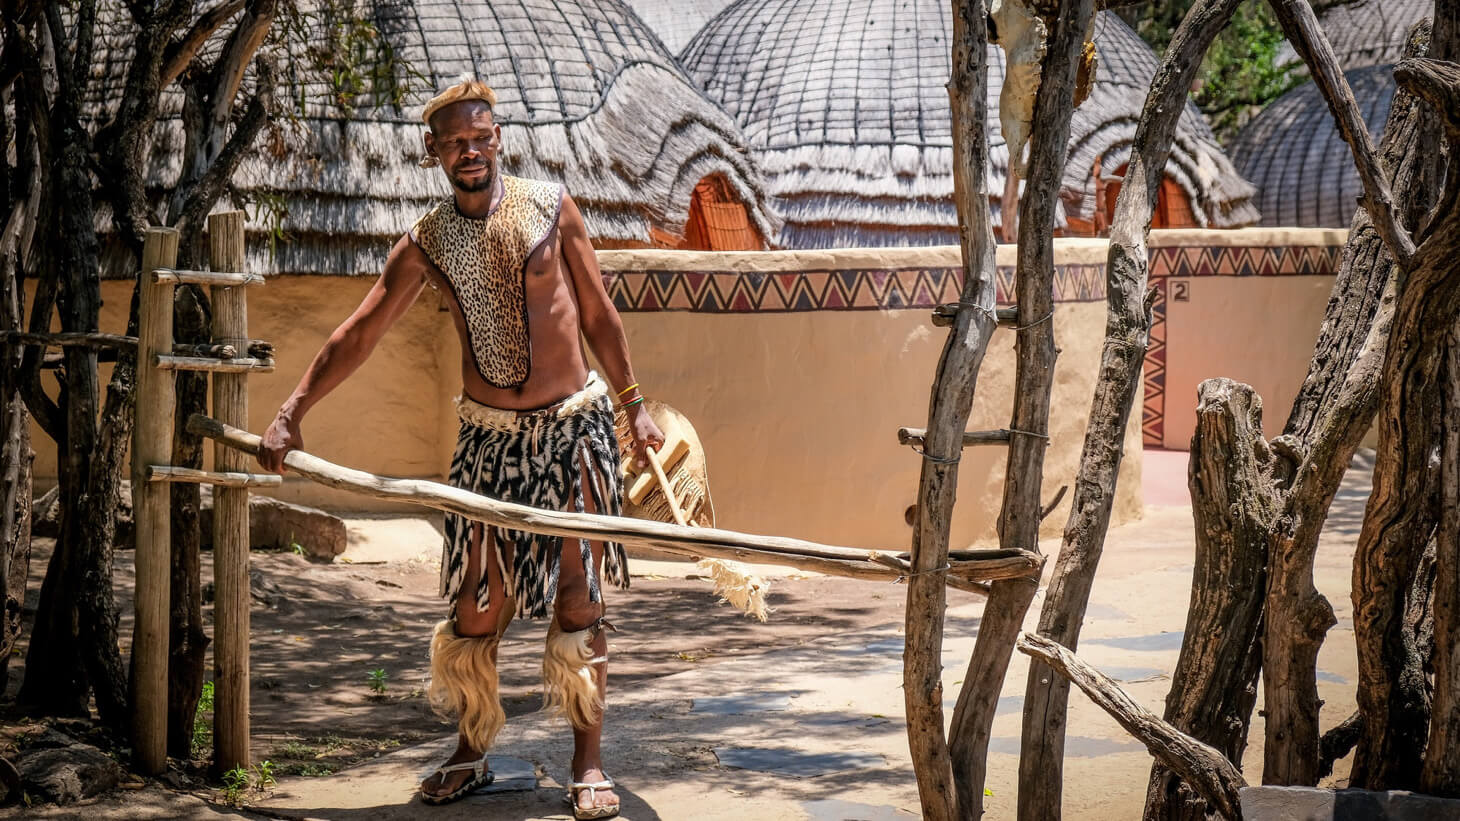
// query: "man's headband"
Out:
[467,88]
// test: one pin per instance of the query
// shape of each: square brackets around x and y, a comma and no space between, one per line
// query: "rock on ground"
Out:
[65,775]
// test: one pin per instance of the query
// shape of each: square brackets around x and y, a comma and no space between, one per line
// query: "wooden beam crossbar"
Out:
[167,362]
[178,276]
[964,570]
[944,315]
[168,473]
[915,436]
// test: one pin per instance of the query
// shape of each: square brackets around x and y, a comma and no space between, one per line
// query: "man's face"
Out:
[465,139]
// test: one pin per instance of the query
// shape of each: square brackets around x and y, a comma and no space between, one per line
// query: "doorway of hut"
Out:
[718,221]
[1173,206]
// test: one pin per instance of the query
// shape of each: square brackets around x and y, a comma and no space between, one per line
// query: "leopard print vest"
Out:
[485,263]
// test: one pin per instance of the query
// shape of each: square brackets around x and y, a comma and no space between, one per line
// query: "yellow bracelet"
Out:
[629,388]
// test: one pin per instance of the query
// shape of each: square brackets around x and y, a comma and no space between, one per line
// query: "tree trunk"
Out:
[1046,697]
[16,458]
[188,641]
[948,408]
[1020,515]
[1403,508]
[1332,411]
[1441,772]
[1215,682]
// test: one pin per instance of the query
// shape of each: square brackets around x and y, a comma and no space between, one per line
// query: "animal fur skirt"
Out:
[537,458]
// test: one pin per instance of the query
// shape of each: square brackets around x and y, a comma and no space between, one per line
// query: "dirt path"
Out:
[712,715]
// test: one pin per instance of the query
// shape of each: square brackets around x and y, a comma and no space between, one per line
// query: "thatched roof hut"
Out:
[586,96]
[677,21]
[845,106]
[1294,154]
[1367,32]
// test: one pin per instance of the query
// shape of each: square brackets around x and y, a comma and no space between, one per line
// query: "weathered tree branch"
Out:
[1301,27]
[181,52]
[1046,698]
[209,187]
[1205,769]
[1019,517]
[951,399]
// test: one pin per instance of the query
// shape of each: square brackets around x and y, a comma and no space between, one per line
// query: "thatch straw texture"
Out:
[586,96]
[844,103]
[677,21]
[1367,32]
[1293,153]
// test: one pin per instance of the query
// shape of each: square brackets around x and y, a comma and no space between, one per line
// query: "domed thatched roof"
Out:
[586,96]
[1367,32]
[677,21]
[844,102]
[1294,154]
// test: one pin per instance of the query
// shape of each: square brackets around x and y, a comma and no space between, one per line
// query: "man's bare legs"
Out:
[470,621]
[576,612]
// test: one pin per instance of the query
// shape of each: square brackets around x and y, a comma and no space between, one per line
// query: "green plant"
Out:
[235,784]
[264,771]
[376,678]
[315,770]
[202,727]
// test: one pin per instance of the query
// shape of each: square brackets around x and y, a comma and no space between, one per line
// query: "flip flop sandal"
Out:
[592,787]
[481,776]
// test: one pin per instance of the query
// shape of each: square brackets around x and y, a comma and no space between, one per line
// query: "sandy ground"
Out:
[712,716]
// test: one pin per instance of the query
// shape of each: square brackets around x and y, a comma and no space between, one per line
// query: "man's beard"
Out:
[484,184]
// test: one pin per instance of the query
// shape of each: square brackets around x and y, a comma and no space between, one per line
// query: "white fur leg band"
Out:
[569,685]
[464,684]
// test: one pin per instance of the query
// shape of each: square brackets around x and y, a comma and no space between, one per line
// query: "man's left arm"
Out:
[601,325]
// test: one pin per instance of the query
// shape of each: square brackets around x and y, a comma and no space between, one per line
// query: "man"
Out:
[514,260]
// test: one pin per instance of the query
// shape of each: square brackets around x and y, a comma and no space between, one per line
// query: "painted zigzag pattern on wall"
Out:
[742,292]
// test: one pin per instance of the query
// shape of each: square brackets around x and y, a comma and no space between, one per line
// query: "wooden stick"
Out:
[971,438]
[70,339]
[152,444]
[166,362]
[1206,770]
[696,542]
[230,504]
[209,350]
[658,467]
[167,473]
[215,278]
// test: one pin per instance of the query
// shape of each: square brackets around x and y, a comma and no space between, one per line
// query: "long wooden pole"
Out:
[152,445]
[1046,697]
[949,403]
[964,567]
[1019,518]
[230,508]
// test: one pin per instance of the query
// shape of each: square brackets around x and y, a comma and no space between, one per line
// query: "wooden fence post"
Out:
[230,509]
[152,445]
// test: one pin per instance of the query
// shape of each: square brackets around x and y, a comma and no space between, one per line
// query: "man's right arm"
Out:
[347,349]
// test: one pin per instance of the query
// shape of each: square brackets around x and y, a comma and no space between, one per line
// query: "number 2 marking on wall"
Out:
[1181,291]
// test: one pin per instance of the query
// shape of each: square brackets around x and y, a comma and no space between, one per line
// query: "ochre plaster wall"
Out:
[1244,304]
[386,419]
[798,410]
[1257,330]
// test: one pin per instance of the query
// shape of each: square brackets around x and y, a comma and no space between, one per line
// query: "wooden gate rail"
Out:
[966,567]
